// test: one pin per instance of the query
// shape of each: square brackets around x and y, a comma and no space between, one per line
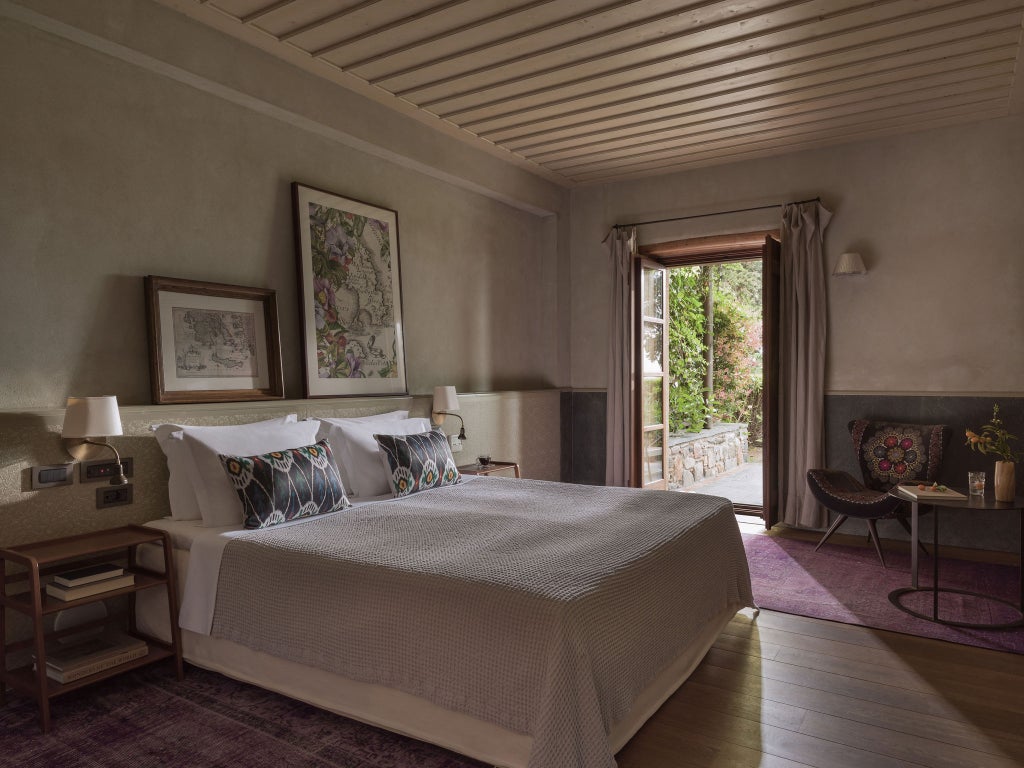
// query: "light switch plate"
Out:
[455,443]
[52,475]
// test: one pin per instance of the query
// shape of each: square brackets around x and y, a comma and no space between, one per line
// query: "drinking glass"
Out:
[976,483]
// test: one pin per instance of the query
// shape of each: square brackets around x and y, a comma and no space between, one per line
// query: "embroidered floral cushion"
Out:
[890,453]
[418,462]
[286,485]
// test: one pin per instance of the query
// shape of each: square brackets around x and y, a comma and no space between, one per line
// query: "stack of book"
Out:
[67,663]
[88,581]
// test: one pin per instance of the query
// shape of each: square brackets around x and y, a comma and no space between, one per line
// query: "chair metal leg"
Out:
[872,528]
[831,529]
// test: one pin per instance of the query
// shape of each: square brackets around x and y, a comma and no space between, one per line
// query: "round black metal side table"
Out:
[970,502]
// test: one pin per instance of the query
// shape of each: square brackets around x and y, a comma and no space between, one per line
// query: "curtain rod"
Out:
[716,213]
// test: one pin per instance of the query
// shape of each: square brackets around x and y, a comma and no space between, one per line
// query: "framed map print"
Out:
[212,343]
[350,296]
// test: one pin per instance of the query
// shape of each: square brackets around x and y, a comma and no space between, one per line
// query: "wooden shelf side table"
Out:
[40,559]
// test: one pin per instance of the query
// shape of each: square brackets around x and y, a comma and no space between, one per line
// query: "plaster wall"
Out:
[936,215]
[116,168]
[932,334]
[135,141]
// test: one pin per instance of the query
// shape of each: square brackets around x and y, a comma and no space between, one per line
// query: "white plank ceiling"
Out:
[585,91]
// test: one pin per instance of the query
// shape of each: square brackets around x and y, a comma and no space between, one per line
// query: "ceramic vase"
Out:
[1005,486]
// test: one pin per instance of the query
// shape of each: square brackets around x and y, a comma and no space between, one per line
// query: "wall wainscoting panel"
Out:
[584,426]
[583,452]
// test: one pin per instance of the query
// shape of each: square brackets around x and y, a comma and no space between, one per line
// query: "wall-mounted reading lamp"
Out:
[849,264]
[92,417]
[446,400]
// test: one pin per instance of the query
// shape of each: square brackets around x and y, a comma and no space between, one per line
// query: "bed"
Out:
[524,623]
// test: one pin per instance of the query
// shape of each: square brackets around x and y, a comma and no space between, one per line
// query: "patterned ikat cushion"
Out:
[286,485]
[418,462]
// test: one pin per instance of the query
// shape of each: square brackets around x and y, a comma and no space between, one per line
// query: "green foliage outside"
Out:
[737,346]
[687,366]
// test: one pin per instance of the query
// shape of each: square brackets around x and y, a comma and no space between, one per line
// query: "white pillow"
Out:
[180,488]
[179,485]
[329,424]
[218,501]
[358,452]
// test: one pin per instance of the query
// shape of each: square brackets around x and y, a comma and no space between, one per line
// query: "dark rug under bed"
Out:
[146,718]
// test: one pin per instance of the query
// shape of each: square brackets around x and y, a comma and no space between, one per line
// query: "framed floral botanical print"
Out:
[350,296]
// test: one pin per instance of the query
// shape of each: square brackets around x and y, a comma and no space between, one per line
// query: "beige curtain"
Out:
[621,247]
[802,330]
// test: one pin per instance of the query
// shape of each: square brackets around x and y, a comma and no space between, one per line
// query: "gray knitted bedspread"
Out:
[542,607]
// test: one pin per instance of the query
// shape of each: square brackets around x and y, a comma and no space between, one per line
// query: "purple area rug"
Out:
[848,584]
[146,718]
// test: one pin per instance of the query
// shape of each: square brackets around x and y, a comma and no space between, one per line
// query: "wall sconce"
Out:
[849,264]
[446,400]
[92,417]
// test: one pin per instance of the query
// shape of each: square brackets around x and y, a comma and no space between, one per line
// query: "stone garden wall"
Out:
[694,457]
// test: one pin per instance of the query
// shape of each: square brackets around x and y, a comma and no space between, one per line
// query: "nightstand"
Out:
[35,561]
[491,468]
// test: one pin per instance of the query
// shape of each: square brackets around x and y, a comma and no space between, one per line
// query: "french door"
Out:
[650,360]
[651,382]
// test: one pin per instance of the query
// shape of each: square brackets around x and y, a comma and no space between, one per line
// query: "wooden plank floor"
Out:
[785,691]
[781,691]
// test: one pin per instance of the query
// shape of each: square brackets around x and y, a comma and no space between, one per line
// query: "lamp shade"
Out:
[92,417]
[445,399]
[849,264]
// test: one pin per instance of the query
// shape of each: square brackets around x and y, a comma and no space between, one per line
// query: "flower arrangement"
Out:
[994,439]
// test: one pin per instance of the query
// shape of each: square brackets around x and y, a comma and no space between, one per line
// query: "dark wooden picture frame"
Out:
[350,296]
[211,342]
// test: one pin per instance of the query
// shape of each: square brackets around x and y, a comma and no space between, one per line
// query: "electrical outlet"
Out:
[456,443]
[113,496]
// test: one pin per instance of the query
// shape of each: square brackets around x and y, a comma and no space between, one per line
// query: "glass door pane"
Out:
[654,347]
[651,339]
[653,412]
[653,458]
[653,293]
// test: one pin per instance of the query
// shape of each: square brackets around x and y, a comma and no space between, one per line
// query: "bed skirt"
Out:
[389,708]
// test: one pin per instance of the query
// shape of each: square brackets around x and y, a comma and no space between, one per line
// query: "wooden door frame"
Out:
[716,250]
[770,287]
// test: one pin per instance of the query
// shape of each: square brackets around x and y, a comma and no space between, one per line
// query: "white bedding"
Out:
[206,546]
[198,553]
